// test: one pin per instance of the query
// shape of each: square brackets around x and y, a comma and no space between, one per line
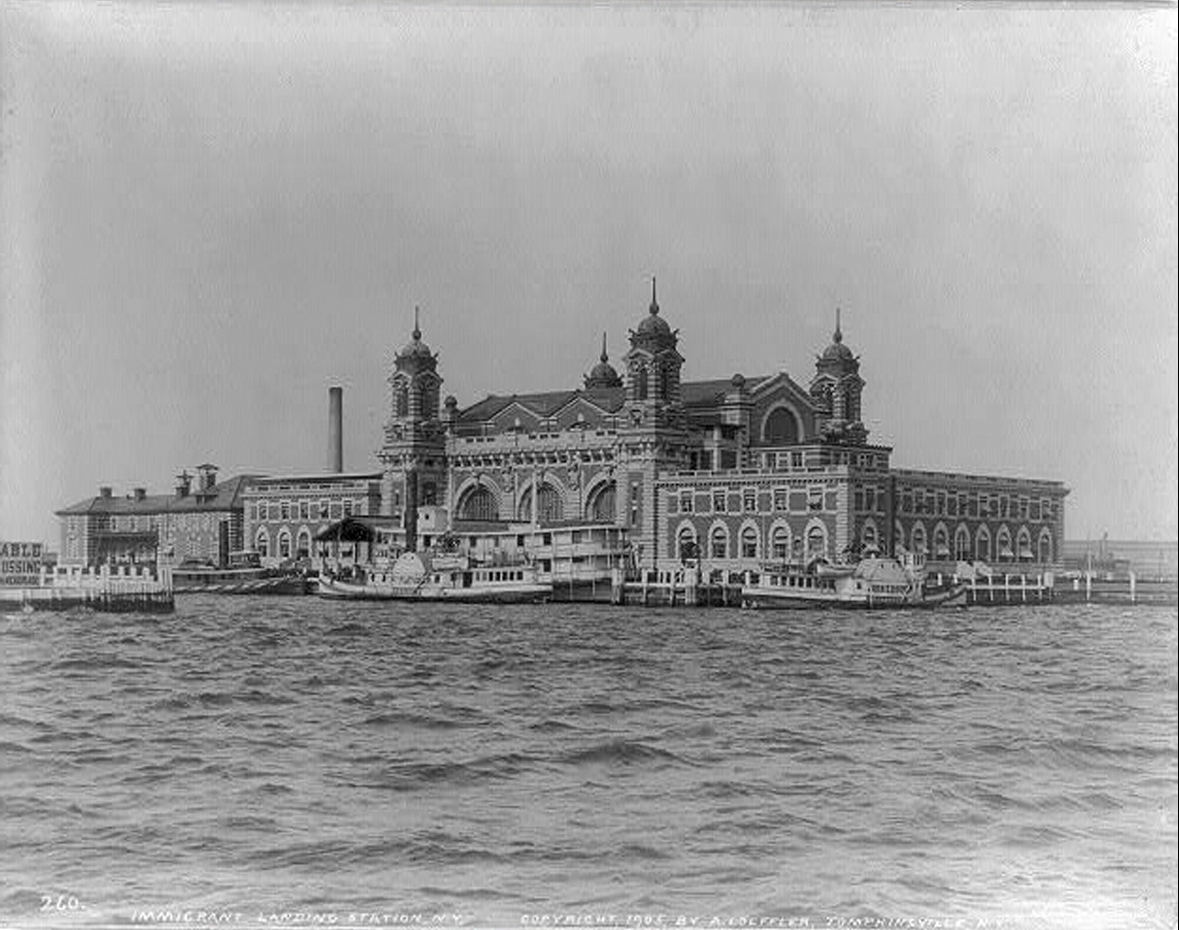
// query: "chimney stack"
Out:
[105,491]
[336,430]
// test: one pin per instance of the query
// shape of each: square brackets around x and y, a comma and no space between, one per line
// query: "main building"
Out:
[731,472]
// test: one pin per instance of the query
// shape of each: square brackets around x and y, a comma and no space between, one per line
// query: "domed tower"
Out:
[413,455]
[836,389]
[603,374]
[415,382]
[653,370]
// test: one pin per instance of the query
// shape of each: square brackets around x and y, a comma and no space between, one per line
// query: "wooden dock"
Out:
[123,589]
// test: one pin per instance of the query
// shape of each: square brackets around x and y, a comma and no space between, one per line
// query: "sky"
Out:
[211,213]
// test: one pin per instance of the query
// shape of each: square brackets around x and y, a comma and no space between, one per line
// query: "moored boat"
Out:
[243,575]
[873,582]
[427,576]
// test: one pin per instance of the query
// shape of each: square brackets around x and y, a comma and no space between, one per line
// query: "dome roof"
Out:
[603,374]
[415,351]
[837,351]
[653,331]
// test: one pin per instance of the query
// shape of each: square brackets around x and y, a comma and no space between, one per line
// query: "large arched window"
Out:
[641,379]
[303,544]
[918,537]
[898,534]
[749,543]
[284,544]
[718,543]
[401,399]
[479,504]
[548,504]
[868,536]
[686,544]
[1023,545]
[816,542]
[603,504]
[262,542]
[781,427]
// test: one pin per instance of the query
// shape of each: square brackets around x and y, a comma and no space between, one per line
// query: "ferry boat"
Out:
[875,581]
[429,576]
[243,575]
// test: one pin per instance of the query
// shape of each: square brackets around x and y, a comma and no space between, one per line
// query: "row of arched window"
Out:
[480,504]
[964,546]
[283,543]
[778,544]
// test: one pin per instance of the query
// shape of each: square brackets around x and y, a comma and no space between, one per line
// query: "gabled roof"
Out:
[542,404]
[227,495]
[706,393]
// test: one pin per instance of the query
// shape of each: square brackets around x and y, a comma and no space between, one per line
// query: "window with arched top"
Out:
[641,379]
[602,504]
[262,542]
[941,543]
[918,537]
[479,504]
[401,399]
[1045,545]
[781,427]
[749,543]
[284,544]
[718,543]
[816,542]
[1003,550]
[982,544]
[780,543]
[1023,545]
[962,544]
[685,543]
[303,544]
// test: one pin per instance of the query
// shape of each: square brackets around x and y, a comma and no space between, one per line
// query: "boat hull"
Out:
[757,597]
[335,589]
[281,584]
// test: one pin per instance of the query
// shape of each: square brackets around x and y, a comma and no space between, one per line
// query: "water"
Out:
[509,766]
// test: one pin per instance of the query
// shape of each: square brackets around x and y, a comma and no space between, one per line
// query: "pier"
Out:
[122,589]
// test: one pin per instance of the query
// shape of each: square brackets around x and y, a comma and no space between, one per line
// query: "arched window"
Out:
[898,534]
[479,504]
[718,543]
[749,543]
[401,399]
[641,383]
[982,544]
[665,382]
[602,505]
[303,545]
[868,536]
[816,542]
[429,493]
[781,427]
[1023,545]
[1045,545]
[1004,551]
[262,542]
[686,544]
[548,504]
[962,544]
[780,543]
[918,537]
[941,542]
[284,544]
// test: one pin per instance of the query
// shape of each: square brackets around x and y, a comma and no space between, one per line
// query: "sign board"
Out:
[20,564]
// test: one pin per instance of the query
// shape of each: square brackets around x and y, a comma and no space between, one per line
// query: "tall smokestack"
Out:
[336,429]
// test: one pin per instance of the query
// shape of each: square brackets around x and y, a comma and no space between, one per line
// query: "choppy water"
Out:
[274,757]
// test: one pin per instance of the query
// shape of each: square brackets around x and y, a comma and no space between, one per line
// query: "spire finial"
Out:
[838,332]
[605,357]
[417,330]
[654,302]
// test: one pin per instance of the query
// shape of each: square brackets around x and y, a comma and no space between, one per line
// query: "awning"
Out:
[356,529]
[1026,553]
[1006,553]
[943,550]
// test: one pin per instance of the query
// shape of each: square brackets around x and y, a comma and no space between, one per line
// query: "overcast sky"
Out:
[209,214]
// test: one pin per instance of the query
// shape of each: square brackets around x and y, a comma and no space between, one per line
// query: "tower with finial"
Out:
[837,389]
[603,374]
[653,367]
[413,453]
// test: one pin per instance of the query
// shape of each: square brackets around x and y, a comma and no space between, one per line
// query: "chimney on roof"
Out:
[140,493]
[206,478]
[335,430]
[104,491]
[183,484]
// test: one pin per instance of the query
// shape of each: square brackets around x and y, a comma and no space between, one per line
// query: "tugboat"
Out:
[430,576]
[875,581]
[243,575]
